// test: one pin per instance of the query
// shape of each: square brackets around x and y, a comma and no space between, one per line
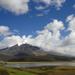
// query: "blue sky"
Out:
[29,23]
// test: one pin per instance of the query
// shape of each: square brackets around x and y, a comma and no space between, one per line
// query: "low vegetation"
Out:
[38,71]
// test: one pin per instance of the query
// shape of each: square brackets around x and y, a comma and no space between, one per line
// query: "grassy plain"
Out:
[53,70]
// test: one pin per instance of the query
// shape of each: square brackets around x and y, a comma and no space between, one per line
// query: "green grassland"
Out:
[38,71]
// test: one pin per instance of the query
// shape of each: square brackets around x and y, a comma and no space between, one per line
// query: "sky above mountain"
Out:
[49,24]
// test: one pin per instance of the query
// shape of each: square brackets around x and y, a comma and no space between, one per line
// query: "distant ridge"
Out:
[28,52]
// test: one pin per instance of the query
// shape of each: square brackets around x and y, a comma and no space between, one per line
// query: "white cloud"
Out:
[42,39]
[11,41]
[4,30]
[48,38]
[69,42]
[74,6]
[21,6]
[71,21]
[15,6]
[56,3]
[55,26]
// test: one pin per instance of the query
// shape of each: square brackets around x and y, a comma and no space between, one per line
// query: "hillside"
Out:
[28,52]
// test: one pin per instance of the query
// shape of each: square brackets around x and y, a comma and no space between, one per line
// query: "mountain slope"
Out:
[28,52]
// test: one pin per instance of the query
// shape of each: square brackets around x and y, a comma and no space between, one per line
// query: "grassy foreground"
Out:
[38,71]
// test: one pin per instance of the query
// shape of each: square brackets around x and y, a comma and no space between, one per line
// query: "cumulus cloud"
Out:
[55,26]
[15,6]
[69,42]
[49,38]
[4,30]
[51,33]
[22,6]
[71,21]
[56,3]
[11,41]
